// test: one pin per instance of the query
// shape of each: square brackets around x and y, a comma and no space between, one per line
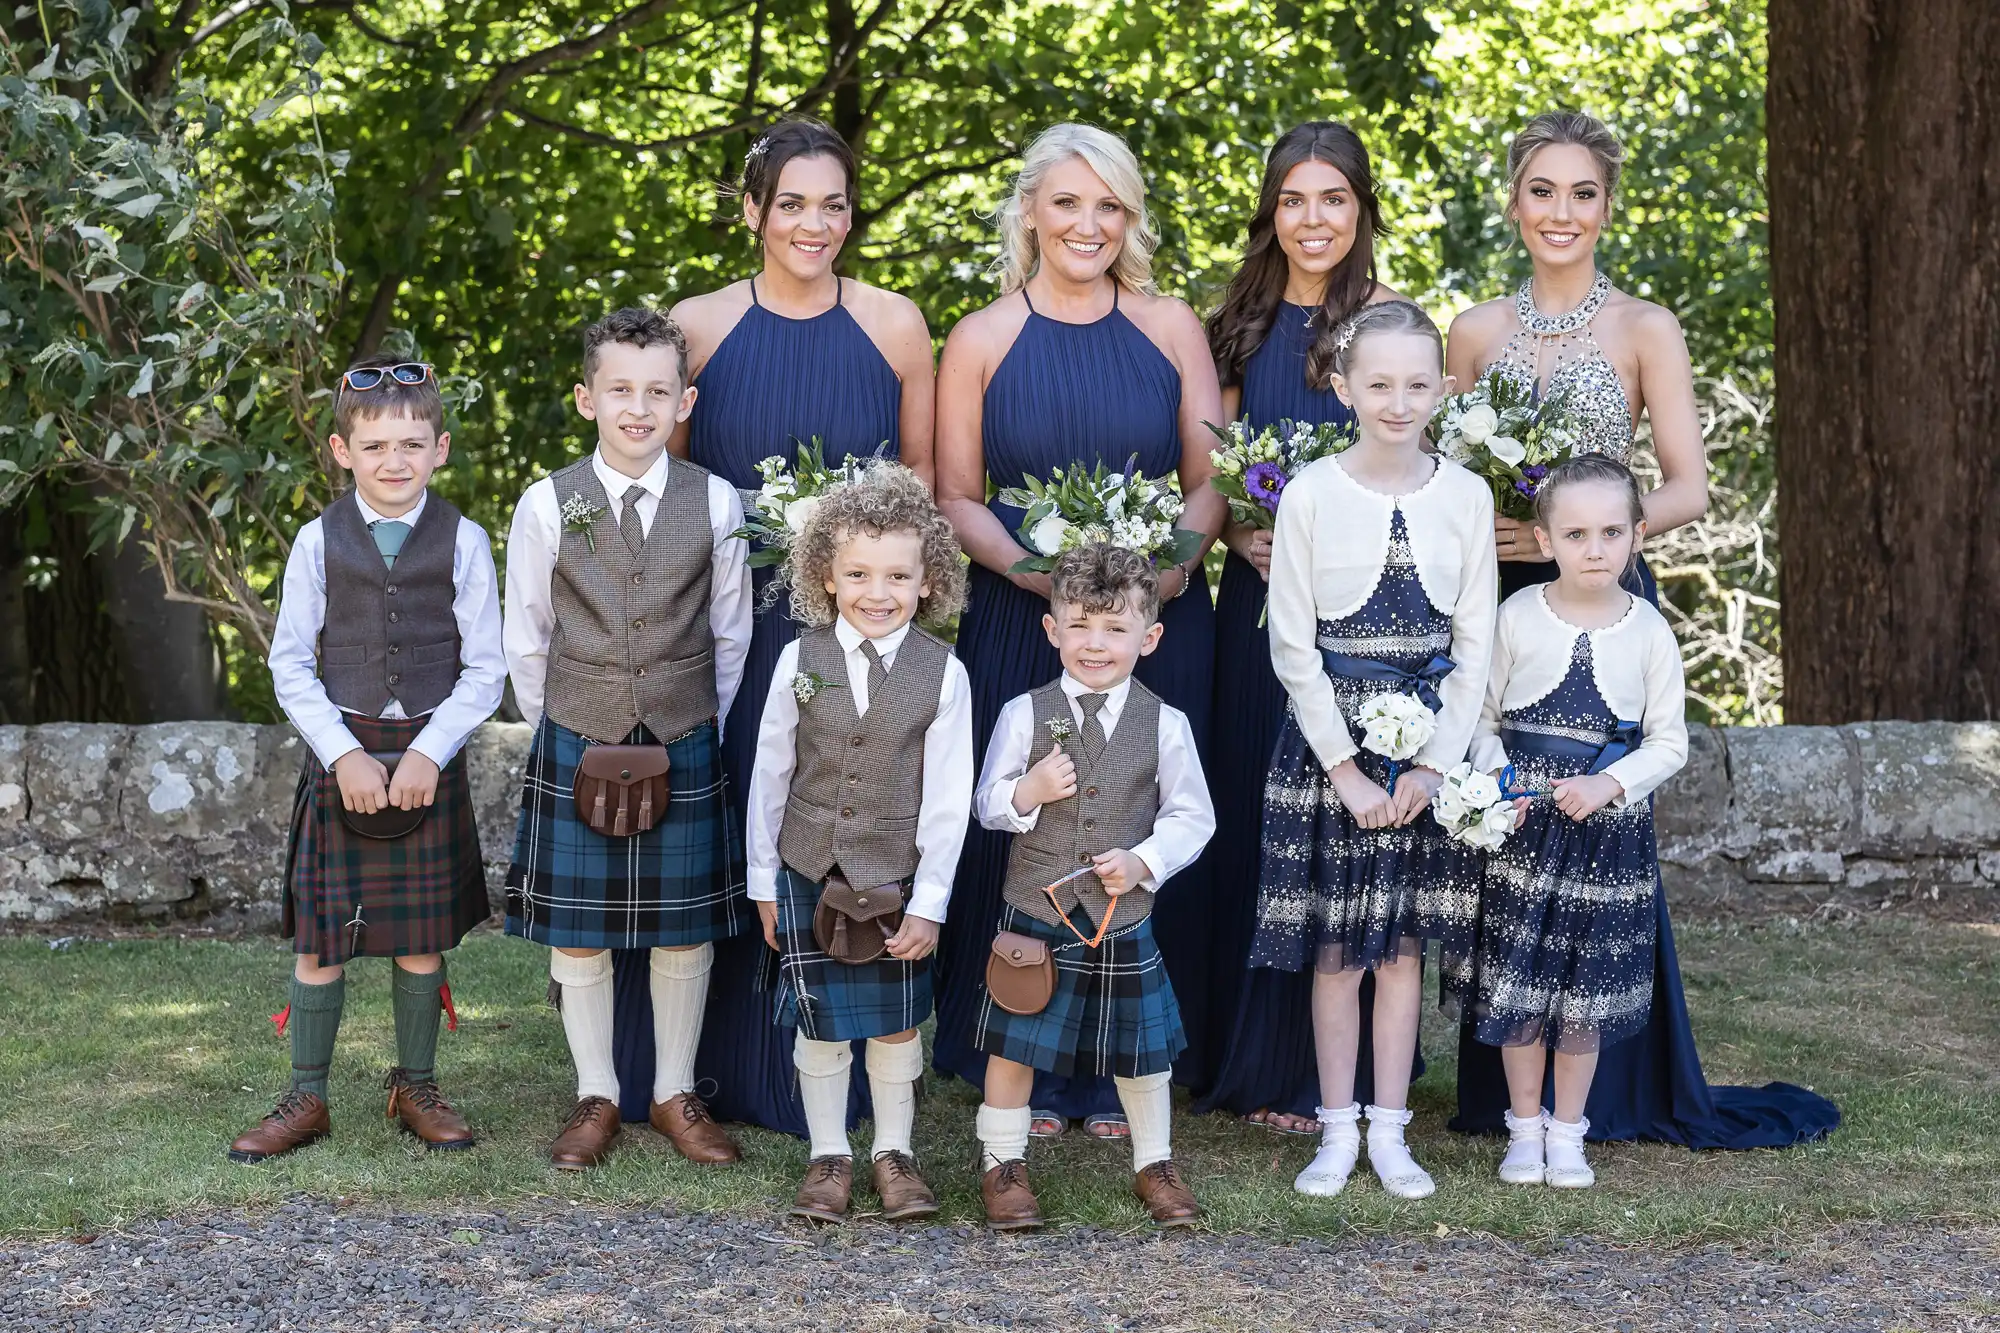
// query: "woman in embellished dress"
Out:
[1081,360]
[793,354]
[1568,330]
[1308,265]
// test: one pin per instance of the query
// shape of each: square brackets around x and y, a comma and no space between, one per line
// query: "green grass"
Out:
[126,1066]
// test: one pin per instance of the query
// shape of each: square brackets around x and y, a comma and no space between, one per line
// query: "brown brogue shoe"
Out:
[824,1193]
[587,1137]
[425,1113]
[685,1120]
[1010,1201]
[903,1192]
[299,1118]
[1166,1196]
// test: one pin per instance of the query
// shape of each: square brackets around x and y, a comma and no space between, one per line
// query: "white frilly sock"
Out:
[1394,1167]
[1523,1164]
[1149,1109]
[1339,1149]
[894,1067]
[586,1020]
[825,1068]
[680,998]
[1567,1168]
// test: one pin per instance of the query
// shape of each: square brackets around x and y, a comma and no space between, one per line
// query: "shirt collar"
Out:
[850,638]
[1114,703]
[616,483]
[369,518]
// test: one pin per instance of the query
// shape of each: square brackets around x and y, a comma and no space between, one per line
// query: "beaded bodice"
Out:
[1560,355]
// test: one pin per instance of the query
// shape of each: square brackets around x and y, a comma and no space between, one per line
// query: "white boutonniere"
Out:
[808,683]
[1059,729]
[580,515]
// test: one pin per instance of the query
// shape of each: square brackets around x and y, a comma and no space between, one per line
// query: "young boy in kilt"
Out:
[863,771]
[628,618]
[387,643]
[1114,805]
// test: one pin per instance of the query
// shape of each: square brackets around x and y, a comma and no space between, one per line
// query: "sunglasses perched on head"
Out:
[408,372]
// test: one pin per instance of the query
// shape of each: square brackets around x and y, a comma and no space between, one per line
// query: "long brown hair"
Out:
[1238,328]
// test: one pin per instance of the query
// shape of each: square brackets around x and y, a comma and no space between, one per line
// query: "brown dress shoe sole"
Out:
[817,1214]
[1164,1223]
[451,1145]
[251,1158]
[908,1211]
[1014,1224]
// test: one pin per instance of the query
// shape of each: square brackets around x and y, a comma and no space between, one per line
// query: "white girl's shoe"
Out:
[1339,1147]
[1394,1167]
[1524,1163]
[1567,1168]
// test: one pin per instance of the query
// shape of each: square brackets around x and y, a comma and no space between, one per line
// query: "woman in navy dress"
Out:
[1079,361]
[793,353]
[1308,264]
[1569,330]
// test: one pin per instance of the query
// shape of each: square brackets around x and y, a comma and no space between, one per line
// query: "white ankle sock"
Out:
[824,1069]
[586,1020]
[1149,1110]
[1524,1163]
[1339,1148]
[680,997]
[1003,1134]
[1394,1167]
[893,1070]
[1568,1168]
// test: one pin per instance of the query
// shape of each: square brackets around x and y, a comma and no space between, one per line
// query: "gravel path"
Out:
[307,1266]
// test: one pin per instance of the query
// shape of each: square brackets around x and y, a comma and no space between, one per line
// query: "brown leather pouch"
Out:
[621,790]
[1020,973]
[388,823]
[853,925]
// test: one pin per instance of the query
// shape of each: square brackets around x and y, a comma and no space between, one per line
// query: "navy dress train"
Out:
[1063,394]
[773,384]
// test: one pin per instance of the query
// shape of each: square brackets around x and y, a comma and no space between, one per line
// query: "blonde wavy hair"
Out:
[1107,155]
[887,497]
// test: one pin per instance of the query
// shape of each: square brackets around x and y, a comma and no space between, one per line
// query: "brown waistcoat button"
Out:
[848,813]
[1090,791]
[638,624]
[857,742]
[640,672]
[638,578]
[1089,824]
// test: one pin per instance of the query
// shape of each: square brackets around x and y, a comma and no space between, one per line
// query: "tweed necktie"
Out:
[1093,730]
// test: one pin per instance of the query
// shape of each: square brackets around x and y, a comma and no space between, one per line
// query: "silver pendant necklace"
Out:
[1555,326]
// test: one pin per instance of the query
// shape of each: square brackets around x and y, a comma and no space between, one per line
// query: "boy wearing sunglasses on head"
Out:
[1099,783]
[386,655]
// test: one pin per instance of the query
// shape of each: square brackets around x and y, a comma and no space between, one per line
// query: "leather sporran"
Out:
[388,823]
[621,790]
[1020,973]
[854,926]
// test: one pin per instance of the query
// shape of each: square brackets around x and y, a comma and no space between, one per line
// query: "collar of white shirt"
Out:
[616,483]
[1114,702]
[850,639]
[370,518]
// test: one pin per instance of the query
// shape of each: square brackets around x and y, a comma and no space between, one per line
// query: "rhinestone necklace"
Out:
[1554,326]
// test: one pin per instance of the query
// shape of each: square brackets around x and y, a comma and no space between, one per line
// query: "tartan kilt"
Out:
[830,1001]
[418,894]
[1113,1013]
[678,883]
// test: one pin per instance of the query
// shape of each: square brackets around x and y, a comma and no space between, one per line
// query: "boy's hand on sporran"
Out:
[364,783]
[415,783]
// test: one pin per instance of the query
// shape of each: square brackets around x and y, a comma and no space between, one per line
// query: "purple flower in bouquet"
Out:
[1526,488]
[1535,472]
[1264,482]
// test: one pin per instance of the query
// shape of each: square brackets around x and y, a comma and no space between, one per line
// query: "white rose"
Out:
[1491,829]
[1478,423]
[1451,811]
[1507,449]
[1047,535]
[1480,790]
[798,511]
[1384,736]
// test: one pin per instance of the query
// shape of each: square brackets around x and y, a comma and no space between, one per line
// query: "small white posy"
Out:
[1396,725]
[1471,808]
[808,683]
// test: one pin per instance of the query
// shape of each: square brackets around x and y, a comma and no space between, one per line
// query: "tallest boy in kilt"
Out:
[628,617]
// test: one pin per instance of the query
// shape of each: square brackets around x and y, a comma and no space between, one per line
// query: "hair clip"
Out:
[1343,335]
[757,149]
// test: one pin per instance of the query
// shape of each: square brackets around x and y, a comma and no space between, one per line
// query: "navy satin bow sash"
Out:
[1422,682]
[1625,738]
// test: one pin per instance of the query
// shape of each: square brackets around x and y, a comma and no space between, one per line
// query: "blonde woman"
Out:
[1080,360]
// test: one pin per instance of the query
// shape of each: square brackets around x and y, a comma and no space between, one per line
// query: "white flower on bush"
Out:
[798,511]
[1048,535]
[1478,423]
[1507,449]
[1396,725]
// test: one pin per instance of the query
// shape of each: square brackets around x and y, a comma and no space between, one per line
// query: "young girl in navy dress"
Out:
[1585,703]
[1382,582]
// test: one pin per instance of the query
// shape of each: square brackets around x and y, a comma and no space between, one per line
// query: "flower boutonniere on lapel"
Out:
[1059,729]
[808,683]
[580,515]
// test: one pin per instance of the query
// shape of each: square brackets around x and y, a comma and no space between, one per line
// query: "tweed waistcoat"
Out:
[1116,802]
[632,640]
[390,633]
[858,784]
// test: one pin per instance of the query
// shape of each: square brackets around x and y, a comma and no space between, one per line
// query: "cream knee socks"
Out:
[894,1068]
[586,1019]
[1149,1109]
[680,998]
[824,1070]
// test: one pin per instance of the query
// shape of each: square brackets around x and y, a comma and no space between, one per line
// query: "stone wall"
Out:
[188,820]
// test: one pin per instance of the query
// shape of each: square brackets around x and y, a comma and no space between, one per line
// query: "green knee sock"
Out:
[314,1023]
[417,1012]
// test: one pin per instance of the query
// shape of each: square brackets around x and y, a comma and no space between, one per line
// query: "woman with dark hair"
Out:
[1308,266]
[795,353]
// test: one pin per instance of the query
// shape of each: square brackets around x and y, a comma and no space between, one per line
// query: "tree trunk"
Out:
[1884,144]
[172,670]
[17,679]
[77,672]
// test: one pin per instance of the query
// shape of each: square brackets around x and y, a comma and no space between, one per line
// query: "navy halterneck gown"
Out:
[773,384]
[1063,394]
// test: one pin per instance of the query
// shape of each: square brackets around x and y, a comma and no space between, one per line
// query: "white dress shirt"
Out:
[1635,663]
[536,537]
[475,604]
[1327,554]
[1186,820]
[946,799]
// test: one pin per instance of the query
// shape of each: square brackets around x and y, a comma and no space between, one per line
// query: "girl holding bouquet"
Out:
[1308,265]
[1080,361]
[1382,602]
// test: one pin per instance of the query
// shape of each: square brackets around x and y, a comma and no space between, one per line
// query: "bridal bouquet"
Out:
[1471,808]
[1396,725]
[776,512]
[1498,431]
[1075,508]
[1251,472]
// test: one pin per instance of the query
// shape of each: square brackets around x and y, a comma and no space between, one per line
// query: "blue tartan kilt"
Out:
[831,1001]
[678,883]
[1113,1013]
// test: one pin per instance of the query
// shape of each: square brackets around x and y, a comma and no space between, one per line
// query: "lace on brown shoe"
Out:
[1012,1172]
[291,1102]
[897,1163]
[589,1111]
[820,1170]
[1166,1172]
[695,1109]
[423,1095]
